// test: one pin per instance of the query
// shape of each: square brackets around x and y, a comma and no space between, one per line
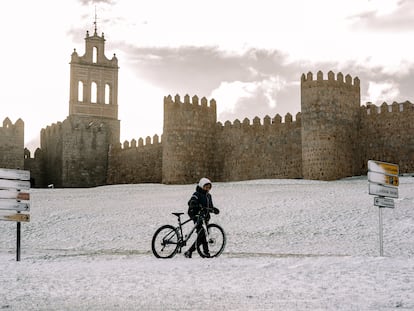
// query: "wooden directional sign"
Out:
[12,199]
[383,167]
[14,194]
[23,196]
[384,202]
[380,178]
[15,217]
[14,174]
[384,191]
[14,184]
[14,205]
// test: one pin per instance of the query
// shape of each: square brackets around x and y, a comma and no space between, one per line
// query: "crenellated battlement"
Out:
[141,143]
[307,81]
[195,103]
[398,108]
[52,129]
[266,123]
[8,124]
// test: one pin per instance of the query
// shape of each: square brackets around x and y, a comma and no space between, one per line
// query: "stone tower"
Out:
[12,144]
[92,125]
[330,123]
[188,139]
[94,81]
[76,150]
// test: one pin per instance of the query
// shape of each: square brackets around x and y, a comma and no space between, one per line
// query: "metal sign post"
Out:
[383,182]
[381,238]
[18,234]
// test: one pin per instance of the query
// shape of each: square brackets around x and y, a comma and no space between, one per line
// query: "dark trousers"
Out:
[201,238]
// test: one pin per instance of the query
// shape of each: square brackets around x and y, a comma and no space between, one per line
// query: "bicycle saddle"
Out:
[177,214]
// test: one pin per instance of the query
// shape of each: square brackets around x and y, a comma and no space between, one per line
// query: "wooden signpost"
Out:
[15,199]
[383,183]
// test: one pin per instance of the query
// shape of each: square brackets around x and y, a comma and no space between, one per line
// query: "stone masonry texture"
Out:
[332,137]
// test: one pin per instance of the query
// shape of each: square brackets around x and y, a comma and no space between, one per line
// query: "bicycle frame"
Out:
[183,239]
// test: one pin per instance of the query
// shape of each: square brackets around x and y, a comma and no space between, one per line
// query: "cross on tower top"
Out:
[95,22]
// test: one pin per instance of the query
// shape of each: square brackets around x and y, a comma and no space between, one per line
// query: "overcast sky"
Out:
[246,54]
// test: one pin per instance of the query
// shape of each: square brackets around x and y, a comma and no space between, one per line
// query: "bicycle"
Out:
[169,240]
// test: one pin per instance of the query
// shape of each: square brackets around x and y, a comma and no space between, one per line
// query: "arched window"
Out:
[94,93]
[107,94]
[95,55]
[80,91]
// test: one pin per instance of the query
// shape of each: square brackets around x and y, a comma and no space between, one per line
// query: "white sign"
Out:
[14,184]
[384,179]
[383,191]
[384,202]
[14,205]
[6,173]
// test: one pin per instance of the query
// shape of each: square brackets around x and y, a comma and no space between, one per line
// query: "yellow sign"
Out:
[383,179]
[383,167]
[16,217]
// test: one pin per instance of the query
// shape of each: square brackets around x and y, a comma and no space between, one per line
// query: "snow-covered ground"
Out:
[292,245]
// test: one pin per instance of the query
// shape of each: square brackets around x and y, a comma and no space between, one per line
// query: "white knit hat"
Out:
[204,181]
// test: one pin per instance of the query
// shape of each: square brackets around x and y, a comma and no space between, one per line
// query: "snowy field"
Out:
[292,245]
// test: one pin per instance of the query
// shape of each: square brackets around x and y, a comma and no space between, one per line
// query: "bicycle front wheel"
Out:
[165,242]
[216,241]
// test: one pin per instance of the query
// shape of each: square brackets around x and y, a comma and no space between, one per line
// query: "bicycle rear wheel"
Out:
[165,242]
[216,241]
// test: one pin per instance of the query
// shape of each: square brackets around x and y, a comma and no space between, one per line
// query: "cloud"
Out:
[382,91]
[253,82]
[390,16]
[379,85]
[202,69]
[244,84]
[248,99]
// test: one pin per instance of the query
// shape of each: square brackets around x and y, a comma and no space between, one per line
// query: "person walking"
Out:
[201,199]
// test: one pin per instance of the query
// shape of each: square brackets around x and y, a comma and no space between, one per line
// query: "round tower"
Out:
[330,122]
[188,139]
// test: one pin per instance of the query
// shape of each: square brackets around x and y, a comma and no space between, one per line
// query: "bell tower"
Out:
[92,125]
[94,81]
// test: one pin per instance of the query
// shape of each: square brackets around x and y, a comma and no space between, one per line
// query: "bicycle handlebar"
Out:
[204,212]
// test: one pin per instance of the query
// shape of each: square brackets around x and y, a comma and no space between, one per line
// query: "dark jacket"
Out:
[198,200]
